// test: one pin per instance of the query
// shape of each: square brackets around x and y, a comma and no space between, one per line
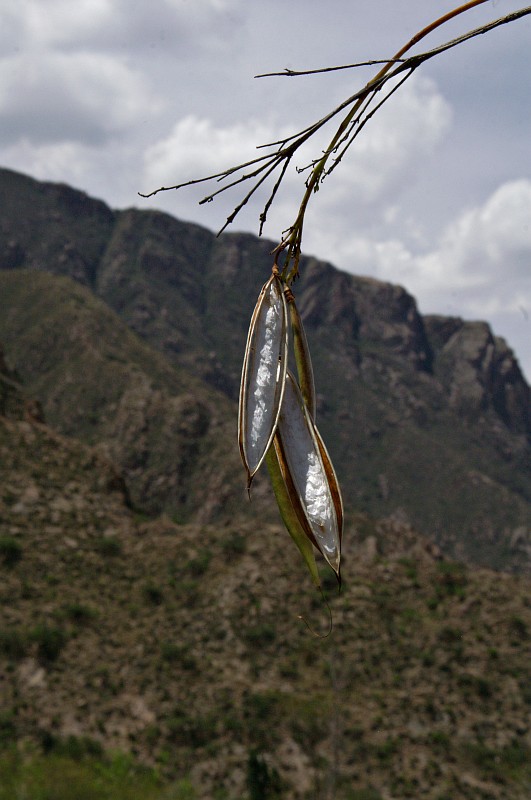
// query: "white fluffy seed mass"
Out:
[307,471]
[263,375]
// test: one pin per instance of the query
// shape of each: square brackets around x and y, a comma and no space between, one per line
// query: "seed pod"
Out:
[263,375]
[301,350]
[333,483]
[309,476]
[300,536]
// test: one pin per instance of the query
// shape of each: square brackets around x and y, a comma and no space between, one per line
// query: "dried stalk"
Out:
[259,169]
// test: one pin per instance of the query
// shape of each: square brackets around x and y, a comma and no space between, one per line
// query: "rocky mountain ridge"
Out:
[147,607]
[428,417]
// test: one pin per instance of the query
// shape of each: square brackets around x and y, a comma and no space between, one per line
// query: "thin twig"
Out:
[284,149]
[358,124]
[292,73]
[263,215]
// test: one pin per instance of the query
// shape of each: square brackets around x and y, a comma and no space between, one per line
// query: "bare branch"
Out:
[359,123]
[292,73]
[281,152]
[263,215]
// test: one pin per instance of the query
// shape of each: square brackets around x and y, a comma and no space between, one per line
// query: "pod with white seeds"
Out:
[301,351]
[309,475]
[284,493]
[263,375]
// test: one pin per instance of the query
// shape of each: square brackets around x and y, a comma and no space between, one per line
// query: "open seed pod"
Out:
[309,476]
[301,351]
[263,375]
[289,516]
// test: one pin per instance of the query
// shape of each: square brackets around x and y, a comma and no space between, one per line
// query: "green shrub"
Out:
[50,641]
[187,730]
[153,594]
[56,776]
[260,714]
[387,749]
[7,728]
[199,565]
[515,755]
[13,643]
[308,718]
[109,546]
[367,793]
[410,568]
[72,747]
[451,578]
[178,654]
[79,613]
[10,551]
[260,635]
[234,545]
[440,739]
[477,684]
[262,781]
[518,628]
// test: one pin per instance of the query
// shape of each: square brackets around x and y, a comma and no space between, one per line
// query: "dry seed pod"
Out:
[301,350]
[289,516]
[333,483]
[309,476]
[263,375]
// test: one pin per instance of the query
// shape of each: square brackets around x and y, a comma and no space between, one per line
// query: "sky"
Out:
[117,97]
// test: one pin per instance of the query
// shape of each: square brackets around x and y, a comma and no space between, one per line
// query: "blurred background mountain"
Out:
[148,608]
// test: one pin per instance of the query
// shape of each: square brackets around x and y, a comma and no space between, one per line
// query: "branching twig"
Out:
[512,17]
[293,73]
[259,169]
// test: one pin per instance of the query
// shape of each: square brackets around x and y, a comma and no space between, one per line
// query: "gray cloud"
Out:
[86,97]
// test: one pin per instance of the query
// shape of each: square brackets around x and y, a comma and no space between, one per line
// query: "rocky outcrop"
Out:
[410,407]
[52,227]
[479,372]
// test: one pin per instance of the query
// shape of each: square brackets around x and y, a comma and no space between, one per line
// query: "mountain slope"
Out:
[181,644]
[171,436]
[428,417]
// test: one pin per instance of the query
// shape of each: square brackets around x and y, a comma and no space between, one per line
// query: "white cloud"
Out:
[56,22]
[82,166]
[384,160]
[392,147]
[480,268]
[90,92]
[489,241]
[196,148]
[101,25]
[60,97]
[484,253]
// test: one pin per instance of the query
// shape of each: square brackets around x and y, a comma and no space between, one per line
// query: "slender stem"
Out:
[318,170]
[357,116]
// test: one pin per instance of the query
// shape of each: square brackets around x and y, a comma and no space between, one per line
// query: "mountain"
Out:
[181,645]
[171,435]
[425,417]
[152,620]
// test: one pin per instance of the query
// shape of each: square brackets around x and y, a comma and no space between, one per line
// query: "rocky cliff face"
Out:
[429,416]
[175,282]
[130,623]
[170,435]
[479,372]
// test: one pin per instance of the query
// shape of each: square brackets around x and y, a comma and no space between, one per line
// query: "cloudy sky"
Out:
[120,96]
